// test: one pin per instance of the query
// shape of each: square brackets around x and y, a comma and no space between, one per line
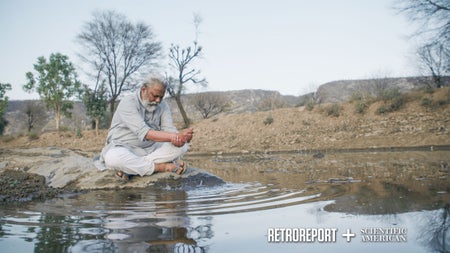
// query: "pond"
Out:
[391,201]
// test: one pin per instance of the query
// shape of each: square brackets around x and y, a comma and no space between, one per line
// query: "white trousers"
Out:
[120,158]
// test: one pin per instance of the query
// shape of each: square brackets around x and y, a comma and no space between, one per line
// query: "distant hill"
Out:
[239,101]
[339,91]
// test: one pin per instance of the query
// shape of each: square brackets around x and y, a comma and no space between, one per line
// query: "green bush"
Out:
[361,106]
[382,109]
[78,133]
[431,104]
[393,100]
[310,105]
[362,100]
[426,102]
[334,110]
[33,135]
[268,120]
[397,103]
[390,94]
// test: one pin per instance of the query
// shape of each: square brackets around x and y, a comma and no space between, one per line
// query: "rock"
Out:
[191,179]
[3,165]
[319,155]
[65,168]
[21,186]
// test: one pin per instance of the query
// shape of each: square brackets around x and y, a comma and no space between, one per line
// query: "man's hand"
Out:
[186,134]
[182,137]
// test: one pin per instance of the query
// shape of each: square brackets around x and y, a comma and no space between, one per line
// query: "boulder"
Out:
[65,168]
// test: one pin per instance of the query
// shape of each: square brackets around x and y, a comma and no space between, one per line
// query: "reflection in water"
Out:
[359,190]
[360,183]
[436,234]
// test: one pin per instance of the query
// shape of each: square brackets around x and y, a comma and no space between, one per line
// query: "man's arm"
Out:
[169,132]
[177,139]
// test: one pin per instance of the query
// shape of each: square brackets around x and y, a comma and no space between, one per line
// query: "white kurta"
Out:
[127,149]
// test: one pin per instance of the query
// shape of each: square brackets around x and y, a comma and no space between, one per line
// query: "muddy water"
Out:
[365,201]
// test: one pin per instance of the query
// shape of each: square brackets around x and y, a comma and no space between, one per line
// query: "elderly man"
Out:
[142,139]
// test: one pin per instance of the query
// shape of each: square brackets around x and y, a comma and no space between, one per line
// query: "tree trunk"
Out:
[57,118]
[111,109]
[96,126]
[182,111]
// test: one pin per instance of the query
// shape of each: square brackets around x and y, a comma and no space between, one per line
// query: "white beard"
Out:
[150,106]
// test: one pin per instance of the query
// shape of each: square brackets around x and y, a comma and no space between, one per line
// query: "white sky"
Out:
[291,46]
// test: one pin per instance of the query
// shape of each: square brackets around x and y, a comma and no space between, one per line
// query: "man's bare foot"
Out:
[178,167]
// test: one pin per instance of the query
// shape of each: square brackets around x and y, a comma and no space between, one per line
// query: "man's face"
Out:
[153,95]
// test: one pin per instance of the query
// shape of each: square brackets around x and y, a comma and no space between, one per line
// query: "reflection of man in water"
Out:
[142,138]
[163,227]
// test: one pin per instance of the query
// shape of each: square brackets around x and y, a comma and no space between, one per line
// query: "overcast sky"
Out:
[291,46]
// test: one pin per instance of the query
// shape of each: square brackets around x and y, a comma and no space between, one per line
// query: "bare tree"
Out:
[181,60]
[433,57]
[209,104]
[379,83]
[434,19]
[433,15]
[35,115]
[118,49]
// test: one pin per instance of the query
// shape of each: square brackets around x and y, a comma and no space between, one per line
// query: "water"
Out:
[406,193]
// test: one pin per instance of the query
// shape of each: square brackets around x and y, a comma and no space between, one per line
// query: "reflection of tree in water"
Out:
[436,232]
[58,234]
[158,224]
[383,197]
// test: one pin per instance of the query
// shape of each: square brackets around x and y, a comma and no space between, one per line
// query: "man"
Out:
[142,139]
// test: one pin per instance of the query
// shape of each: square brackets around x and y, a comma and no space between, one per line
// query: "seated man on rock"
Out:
[142,139]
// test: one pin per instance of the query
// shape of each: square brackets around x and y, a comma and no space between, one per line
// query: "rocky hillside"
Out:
[340,91]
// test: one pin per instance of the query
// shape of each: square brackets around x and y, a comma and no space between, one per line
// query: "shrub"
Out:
[33,135]
[310,105]
[363,100]
[397,103]
[78,133]
[390,94]
[434,104]
[268,120]
[426,102]
[393,100]
[382,109]
[361,106]
[334,110]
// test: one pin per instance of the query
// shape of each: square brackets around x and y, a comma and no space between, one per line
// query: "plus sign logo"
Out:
[349,235]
